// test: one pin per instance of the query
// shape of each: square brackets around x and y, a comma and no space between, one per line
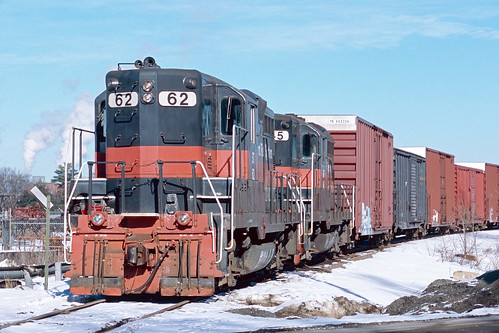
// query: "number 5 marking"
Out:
[281,135]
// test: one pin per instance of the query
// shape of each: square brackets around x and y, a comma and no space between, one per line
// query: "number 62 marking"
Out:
[123,99]
[177,98]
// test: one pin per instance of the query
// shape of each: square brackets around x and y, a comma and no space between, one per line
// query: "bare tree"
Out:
[468,237]
[12,186]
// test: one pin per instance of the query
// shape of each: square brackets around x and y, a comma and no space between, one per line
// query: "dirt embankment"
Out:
[447,295]
[440,296]
[336,307]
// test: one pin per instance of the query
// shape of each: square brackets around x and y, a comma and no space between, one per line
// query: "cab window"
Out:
[309,145]
[207,117]
[231,114]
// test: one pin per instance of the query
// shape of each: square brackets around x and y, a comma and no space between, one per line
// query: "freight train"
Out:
[196,184]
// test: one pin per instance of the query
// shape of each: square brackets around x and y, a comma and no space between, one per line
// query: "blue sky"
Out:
[426,71]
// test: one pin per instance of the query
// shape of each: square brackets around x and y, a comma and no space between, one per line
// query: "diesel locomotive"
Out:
[196,183]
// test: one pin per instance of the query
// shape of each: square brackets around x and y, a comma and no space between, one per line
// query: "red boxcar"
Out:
[492,193]
[470,188]
[363,156]
[440,186]
[491,190]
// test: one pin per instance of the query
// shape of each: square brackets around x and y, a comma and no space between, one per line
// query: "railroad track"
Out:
[106,327]
[111,326]
[52,314]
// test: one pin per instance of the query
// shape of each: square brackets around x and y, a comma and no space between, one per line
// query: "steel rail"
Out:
[110,327]
[107,327]
[53,313]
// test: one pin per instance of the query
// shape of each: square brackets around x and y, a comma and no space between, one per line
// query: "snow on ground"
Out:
[7,263]
[402,270]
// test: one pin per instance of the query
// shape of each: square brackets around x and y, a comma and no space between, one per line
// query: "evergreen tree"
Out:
[58,178]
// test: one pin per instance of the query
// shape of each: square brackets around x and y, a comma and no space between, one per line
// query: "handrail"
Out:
[90,164]
[220,238]
[67,198]
[66,206]
[219,206]
[301,205]
[232,186]
[71,141]
[312,192]
[122,187]
[353,205]
[81,131]
[312,186]
[294,184]
[350,205]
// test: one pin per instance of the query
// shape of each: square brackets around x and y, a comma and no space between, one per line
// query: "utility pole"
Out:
[10,229]
[47,243]
[46,202]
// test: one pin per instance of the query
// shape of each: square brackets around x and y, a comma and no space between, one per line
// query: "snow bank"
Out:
[375,282]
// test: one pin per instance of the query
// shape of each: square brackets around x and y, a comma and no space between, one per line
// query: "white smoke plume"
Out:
[35,141]
[82,117]
[56,127]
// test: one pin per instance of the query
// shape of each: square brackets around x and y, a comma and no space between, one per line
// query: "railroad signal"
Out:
[41,197]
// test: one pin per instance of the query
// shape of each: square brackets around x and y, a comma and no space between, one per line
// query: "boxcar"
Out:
[409,194]
[470,188]
[440,187]
[491,190]
[363,157]
[492,193]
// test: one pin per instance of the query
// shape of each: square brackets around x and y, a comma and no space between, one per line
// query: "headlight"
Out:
[113,84]
[183,219]
[98,219]
[190,82]
[147,86]
[147,98]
